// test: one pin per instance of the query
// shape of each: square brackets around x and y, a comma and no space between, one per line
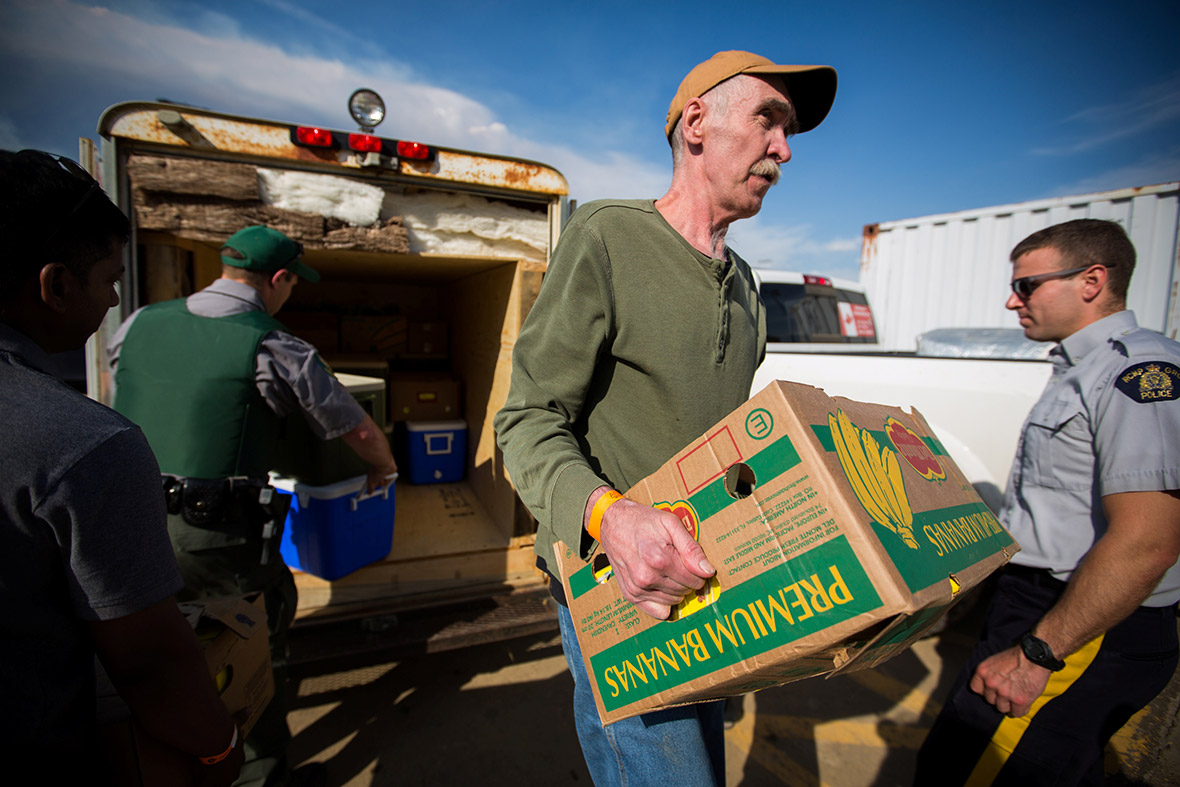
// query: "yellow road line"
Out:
[766,739]
[863,731]
[1132,745]
[902,694]
[768,755]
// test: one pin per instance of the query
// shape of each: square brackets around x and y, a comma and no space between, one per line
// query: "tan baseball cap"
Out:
[812,88]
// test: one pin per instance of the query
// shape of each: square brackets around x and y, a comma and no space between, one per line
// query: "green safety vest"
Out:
[188,382]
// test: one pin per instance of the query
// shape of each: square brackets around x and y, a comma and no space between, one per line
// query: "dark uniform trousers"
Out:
[224,560]
[1060,741]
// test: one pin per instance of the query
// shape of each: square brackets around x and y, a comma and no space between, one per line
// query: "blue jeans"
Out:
[684,746]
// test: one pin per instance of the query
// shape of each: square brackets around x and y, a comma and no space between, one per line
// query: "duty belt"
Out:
[208,502]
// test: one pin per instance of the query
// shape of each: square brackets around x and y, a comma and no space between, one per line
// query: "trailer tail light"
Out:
[823,281]
[312,137]
[414,150]
[364,143]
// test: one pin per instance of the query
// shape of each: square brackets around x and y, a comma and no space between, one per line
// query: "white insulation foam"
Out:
[464,224]
[436,222]
[351,201]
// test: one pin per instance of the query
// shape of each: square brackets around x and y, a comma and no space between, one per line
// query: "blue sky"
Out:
[941,106]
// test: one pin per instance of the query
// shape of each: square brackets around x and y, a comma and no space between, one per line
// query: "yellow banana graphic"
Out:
[880,461]
[857,452]
[884,463]
[905,514]
[877,466]
[850,468]
[875,476]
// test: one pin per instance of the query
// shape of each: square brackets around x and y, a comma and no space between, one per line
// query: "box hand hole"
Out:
[740,481]
[602,568]
[224,678]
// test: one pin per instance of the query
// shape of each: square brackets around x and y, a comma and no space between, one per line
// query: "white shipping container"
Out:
[952,270]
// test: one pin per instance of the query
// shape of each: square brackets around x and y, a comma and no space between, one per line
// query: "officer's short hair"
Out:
[1088,242]
[52,211]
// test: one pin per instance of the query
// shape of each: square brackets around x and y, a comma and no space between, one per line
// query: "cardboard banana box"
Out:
[840,531]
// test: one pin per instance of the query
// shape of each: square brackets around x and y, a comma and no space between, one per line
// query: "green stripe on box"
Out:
[809,593]
[582,580]
[949,540]
[767,464]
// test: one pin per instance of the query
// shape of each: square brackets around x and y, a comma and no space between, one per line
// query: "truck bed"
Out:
[446,548]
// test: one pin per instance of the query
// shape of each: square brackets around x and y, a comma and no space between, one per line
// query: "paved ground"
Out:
[481,715]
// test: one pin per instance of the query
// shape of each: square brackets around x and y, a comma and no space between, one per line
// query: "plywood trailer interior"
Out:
[451,541]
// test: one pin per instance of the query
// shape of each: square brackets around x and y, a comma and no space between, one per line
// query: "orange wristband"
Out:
[216,758]
[594,526]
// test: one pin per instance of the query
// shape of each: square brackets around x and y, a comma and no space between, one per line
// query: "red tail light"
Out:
[414,150]
[313,137]
[364,143]
[823,281]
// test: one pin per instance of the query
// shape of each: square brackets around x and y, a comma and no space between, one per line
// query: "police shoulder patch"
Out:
[1150,381]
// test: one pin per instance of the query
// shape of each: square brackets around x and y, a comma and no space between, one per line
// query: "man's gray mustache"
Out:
[766,168]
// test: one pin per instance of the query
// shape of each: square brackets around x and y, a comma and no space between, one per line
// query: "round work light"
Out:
[366,108]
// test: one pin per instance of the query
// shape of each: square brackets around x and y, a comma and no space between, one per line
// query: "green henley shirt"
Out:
[636,345]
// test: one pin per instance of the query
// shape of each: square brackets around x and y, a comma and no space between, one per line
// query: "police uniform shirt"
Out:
[1107,422]
[289,373]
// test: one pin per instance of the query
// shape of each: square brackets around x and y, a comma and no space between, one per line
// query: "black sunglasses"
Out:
[74,169]
[1024,286]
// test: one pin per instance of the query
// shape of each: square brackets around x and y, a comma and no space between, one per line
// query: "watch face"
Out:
[1039,652]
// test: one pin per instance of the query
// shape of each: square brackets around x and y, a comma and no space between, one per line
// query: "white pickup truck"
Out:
[974,386]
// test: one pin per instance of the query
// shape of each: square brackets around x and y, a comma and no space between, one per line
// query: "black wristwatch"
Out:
[1038,652]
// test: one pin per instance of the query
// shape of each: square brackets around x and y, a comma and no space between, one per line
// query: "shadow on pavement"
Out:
[489,714]
[499,714]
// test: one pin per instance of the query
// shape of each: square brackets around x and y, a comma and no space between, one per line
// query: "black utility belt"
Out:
[1037,576]
[205,502]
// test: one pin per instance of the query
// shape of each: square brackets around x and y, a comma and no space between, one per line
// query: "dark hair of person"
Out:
[49,212]
[1085,242]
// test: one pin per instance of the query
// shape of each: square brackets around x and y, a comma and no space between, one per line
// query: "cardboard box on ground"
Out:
[233,634]
[840,531]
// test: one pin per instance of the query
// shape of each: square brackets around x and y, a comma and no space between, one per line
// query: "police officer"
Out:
[1081,632]
[208,378]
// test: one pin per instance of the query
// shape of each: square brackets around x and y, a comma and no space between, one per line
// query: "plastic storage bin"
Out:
[437,451]
[300,455]
[335,529]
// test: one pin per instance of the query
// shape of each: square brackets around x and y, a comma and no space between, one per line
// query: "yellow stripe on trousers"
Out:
[1011,730]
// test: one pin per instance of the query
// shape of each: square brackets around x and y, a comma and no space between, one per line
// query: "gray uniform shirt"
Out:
[289,373]
[1107,422]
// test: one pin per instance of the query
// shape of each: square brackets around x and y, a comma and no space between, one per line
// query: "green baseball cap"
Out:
[267,250]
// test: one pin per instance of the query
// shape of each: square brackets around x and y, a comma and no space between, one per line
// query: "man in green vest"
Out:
[208,378]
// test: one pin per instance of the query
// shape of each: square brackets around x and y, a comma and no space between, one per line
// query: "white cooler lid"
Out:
[325,492]
[435,426]
[357,383]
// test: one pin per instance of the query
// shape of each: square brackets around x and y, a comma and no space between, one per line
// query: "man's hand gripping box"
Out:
[840,532]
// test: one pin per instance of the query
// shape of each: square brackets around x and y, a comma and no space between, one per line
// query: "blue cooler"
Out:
[335,529]
[437,451]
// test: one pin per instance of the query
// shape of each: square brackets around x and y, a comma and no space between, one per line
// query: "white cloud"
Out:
[765,244]
[213,63]
[1148,172]
[9,137]
[1147,108]
[220,68]
[309,18]
[842,245]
